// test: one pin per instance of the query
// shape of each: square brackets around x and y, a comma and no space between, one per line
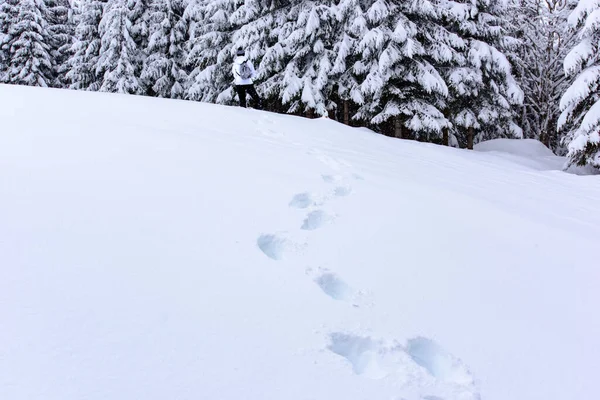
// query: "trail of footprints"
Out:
[419,359]
[279,245]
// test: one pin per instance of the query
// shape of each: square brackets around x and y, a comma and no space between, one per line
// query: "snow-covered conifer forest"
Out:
[453,72]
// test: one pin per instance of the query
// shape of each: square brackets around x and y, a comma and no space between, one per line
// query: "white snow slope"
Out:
[530,153]
[160,249]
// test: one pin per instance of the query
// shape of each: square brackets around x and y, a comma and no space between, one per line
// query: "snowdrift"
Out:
[155,249]
[533,154]
[520,147]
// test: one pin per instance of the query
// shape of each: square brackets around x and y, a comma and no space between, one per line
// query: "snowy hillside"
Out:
[161,249]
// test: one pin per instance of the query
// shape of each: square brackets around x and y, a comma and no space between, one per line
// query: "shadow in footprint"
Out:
[273,246]
[342,191]
[316,219]
[331,178]
[438,362]
[334,287]
[361,352]
[421,361]
[304,200]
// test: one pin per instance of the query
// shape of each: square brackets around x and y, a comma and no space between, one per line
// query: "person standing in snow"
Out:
[244,74]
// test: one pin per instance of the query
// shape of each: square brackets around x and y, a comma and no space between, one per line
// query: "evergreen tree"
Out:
[483,90]
[140,12]
[164,68]
[352,25]
[210,48]
[118,51]
[397,80]
[8,17]
[580,104]
[306,81]
[61,32]
[139,16]
[28,51]
[85,50]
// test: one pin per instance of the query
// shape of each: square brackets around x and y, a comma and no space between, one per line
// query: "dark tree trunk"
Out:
[398,128]
[445,139]
[310,113]
[470,134]
[346,112]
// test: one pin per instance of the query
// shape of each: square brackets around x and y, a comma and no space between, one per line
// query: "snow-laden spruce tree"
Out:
[29,61]
[210,47]
[61,32]
[81,74]
[352,25]
[118,52]
[139,15]
[140,12]
[308,48]
[164,71]
[580,104]
[8,16]
[397,80]
[483,89]
[296,53]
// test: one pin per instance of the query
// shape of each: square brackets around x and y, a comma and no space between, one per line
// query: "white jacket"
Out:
[236,71]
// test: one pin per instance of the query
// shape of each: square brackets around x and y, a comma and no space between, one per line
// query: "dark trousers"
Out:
[241,91]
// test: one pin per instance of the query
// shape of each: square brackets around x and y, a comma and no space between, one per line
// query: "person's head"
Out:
[240,52]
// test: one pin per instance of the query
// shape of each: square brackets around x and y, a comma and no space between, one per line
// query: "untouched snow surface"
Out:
[531,153]
[159,249]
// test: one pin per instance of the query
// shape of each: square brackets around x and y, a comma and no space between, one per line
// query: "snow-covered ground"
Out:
[161,249]
[532,154]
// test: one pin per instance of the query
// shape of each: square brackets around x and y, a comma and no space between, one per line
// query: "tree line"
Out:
[453,72]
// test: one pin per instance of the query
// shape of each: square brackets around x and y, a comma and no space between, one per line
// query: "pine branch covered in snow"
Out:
[306,80]
[395,69]
[164,71]
[210,48]
[29,60]
[118,54]
[85,50]
[580,104]
[61,31]
[8,17]
[483,89]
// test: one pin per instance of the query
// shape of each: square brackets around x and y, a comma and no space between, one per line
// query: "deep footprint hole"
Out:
[438,362]
[272,246]
[334,287]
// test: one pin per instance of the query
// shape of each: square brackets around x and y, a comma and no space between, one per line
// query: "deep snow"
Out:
[531,153]
[160,249]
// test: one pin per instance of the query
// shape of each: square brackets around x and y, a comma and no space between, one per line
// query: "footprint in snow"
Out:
[305,200]
[276,246]
[421,361]
[331,178]
[316,219]
[437,361]
[336,288]
[342,191]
